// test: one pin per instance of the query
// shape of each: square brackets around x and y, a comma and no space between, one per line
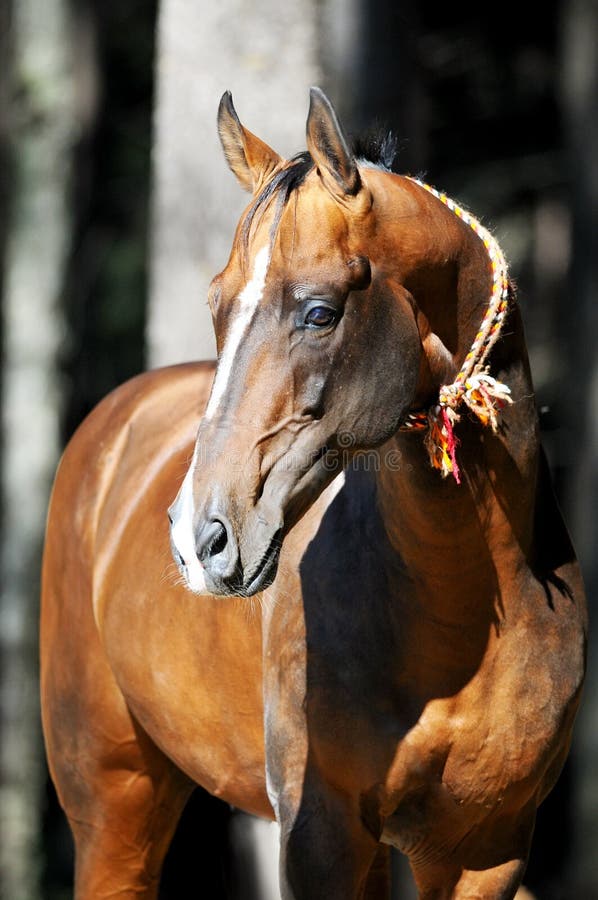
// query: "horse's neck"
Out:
[450,534]
[442,258]
[462,544]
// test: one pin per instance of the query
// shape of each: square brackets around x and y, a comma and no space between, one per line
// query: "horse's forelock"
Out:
[279,188]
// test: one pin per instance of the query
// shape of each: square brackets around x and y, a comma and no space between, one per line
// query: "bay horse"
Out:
[374,627]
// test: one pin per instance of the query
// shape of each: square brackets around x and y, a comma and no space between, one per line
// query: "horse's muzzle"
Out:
[218,552]
[211,562]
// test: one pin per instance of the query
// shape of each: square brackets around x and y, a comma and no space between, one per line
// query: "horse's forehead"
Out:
[309,227]
[312,225]
[313,207]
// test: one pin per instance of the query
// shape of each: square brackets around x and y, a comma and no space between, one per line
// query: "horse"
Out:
[327,580]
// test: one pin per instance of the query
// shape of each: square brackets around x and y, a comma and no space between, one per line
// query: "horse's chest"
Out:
[481,753]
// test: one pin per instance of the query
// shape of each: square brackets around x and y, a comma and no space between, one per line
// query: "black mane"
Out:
[377,147]
[280,186]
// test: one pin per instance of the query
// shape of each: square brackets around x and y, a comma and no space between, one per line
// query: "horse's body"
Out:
[412,673]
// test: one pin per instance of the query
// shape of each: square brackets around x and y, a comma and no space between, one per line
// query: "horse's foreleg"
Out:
[121,795]
[123,800]
[327,853]
[499,883]
[490,869]
[123,831]
[378,882]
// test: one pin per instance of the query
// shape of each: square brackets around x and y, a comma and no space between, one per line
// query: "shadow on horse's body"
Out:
[410,669]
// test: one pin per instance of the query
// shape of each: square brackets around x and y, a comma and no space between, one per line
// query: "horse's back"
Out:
[119,634]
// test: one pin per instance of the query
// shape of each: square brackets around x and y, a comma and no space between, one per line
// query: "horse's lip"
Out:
[265,573]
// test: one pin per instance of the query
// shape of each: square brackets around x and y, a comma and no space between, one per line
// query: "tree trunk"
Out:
[41,113]
[265,53]
[579,95]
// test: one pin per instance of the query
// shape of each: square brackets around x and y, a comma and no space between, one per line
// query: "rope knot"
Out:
[486,396]
[483,394]
[450,395]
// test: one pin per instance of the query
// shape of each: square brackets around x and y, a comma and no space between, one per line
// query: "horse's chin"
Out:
[262,576]
[305,494]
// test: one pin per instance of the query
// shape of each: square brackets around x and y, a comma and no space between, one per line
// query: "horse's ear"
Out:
[249,159]
[329,147]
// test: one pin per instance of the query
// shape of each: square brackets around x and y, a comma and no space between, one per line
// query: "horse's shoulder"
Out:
[131,433]
[151,400]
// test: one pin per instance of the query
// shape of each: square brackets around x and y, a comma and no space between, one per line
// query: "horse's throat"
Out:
[460,545]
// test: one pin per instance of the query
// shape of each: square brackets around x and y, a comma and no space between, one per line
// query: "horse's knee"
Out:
[327,854]
[123,799]
[499,883]
[122,834]
[450,882]
[111,863]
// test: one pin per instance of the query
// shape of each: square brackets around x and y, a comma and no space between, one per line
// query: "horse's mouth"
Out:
[264,573]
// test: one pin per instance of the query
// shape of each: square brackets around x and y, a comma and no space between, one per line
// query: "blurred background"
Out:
[116,208]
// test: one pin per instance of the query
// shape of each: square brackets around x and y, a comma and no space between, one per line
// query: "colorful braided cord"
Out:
[473,386]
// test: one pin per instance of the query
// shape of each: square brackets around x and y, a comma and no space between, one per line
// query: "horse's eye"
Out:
[320,317]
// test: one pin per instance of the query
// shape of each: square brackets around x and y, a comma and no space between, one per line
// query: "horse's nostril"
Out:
[217,549]
[218,542]
[212,541]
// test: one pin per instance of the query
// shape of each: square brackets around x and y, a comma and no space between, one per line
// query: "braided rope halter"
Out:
[484,395]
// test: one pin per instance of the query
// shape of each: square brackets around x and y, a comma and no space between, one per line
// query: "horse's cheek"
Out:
[389,378]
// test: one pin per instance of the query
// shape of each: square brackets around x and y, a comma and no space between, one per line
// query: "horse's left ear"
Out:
[249,159]
[329,148]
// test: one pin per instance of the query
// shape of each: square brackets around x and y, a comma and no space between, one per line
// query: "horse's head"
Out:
[318,352]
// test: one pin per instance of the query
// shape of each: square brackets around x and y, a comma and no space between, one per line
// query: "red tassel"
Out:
[451,445]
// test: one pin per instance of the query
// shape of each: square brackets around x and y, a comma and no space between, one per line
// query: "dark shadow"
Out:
[199,861]
[208,855]
[553,841]
[370,664]
[57,870]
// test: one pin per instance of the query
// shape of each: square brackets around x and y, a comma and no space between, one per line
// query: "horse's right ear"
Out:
[250,160]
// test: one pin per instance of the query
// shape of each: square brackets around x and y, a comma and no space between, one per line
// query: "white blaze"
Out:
[182,529]
[249,299]
[182,533]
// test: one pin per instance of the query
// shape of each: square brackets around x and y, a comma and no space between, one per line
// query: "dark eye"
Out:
[320,317]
